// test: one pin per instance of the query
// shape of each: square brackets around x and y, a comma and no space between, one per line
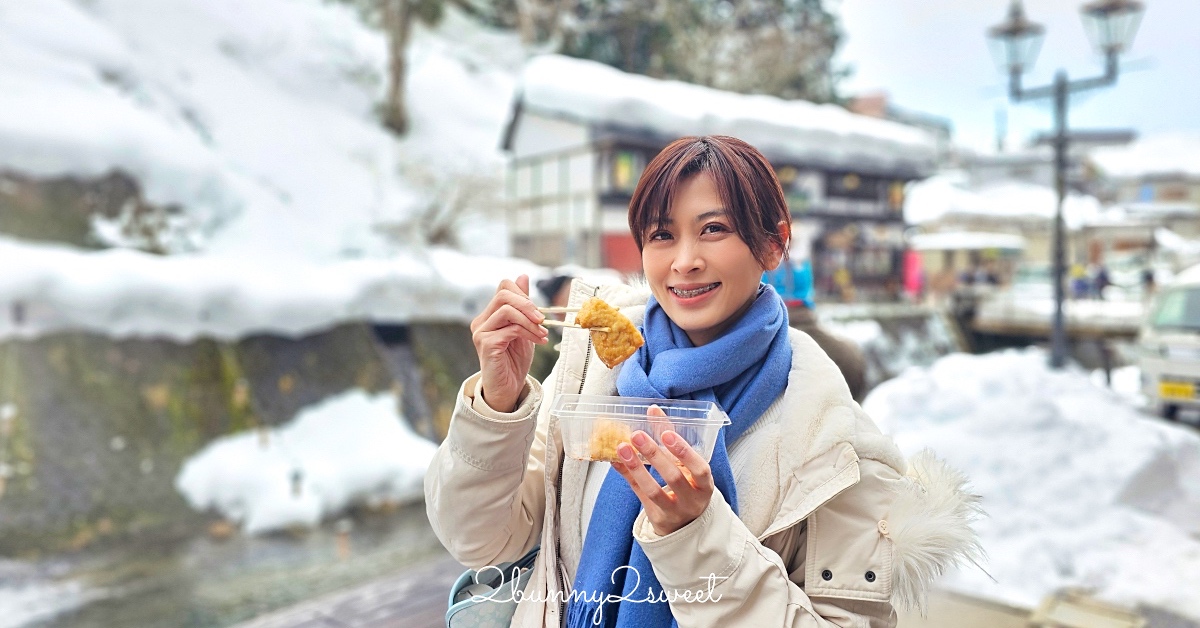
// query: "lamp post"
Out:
[1111,25]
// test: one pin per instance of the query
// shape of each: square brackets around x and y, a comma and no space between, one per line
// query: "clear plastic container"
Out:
[593,425]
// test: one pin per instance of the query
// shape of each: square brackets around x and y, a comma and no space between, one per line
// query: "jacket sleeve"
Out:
[737,580]
[484,491]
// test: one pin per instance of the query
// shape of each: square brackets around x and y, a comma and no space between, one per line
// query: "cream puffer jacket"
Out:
[834,527]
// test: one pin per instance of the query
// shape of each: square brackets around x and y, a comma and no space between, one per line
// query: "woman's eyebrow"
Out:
[712,213]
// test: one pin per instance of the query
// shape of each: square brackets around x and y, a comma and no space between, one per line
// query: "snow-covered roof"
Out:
[597,94]
[1165,154]
[1188,277]
[966,240]
[948,194]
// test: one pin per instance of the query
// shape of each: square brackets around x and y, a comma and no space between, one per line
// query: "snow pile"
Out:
[1126,382]
[36,593]
[261,126]
[599,94]
[346,450]
[917,339]
[26,604]
[258,122]
[1163,154]
[1081,490]
[949,194]
[121,292]
[1032,306]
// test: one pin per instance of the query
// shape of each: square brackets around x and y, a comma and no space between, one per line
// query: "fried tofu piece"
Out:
[606,435]
[622,338]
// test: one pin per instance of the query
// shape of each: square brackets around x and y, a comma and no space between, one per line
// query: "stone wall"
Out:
[103,425]
[61,209]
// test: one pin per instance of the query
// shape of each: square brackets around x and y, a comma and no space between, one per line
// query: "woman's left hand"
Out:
[689,480]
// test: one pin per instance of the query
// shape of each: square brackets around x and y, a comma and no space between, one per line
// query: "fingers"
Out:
[514,294]
[689,488]
[669,467]
[508,315]
[689,459]
[658,422]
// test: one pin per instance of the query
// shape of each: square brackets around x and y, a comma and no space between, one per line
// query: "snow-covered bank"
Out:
[350,449]
[128,293]
[1080,488]
[296,208]
[261,128]
[1032,306]
[28,594]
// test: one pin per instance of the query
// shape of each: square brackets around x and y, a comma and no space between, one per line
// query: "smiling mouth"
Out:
[687,294]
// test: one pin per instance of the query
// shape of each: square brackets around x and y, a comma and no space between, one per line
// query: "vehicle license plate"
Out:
[1176,390]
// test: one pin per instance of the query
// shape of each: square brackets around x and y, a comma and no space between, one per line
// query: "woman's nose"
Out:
[687,259]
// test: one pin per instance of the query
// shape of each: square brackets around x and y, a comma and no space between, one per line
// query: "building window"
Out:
[627,166]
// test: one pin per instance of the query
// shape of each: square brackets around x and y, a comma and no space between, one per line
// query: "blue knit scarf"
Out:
[743,371]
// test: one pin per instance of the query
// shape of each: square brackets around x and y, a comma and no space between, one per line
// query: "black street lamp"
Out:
[1111,25]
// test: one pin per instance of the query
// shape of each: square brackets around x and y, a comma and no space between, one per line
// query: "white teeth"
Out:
[687,294]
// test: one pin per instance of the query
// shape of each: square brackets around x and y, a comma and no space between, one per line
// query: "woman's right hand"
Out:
[504,335]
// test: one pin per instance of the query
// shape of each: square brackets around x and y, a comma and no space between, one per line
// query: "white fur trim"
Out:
[930,528]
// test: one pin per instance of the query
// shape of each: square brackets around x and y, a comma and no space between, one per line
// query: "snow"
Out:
[1170,241]
[595,93]
[261,127]
[37,592]
[913,336]
[354,448]
[1033,306]
[1162,154]
[124,293]
[297,207]
[966,240]
[948,194]
[1081,490]
[1126,382]
[27,603]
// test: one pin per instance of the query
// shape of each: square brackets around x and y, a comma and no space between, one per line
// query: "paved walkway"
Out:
[414,599]
[417,599]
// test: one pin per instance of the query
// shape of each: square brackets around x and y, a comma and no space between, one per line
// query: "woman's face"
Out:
[700,271]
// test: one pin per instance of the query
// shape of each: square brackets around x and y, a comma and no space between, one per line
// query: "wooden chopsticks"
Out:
[553,323]
[558,310]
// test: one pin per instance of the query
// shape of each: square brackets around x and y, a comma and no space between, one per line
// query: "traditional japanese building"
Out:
[581,133]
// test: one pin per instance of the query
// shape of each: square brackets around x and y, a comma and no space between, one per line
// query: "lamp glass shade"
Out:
[1112,24]
[1016,41]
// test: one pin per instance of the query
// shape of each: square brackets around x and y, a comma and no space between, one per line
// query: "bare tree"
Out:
[397,17]
[397,21]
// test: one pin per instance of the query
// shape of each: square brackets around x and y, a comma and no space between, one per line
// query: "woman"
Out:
[804,516]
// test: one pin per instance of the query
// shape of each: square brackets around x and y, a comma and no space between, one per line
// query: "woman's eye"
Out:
[714,228]
[660,235]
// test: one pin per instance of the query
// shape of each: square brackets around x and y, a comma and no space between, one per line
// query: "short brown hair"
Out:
[745,181]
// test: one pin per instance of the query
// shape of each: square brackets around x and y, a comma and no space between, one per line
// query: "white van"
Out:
[1169,342]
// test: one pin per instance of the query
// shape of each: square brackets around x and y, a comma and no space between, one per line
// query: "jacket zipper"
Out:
[562,584]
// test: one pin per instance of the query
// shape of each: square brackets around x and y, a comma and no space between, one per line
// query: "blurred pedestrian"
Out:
[555,289]
[794,283]
[1148,284]
[1079,281]
[1101,280]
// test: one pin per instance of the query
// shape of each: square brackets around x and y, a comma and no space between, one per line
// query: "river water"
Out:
[209,583]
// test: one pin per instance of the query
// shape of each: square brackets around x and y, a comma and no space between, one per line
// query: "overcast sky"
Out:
[933,56]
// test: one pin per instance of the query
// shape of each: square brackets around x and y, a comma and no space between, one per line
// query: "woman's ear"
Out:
[775,258]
